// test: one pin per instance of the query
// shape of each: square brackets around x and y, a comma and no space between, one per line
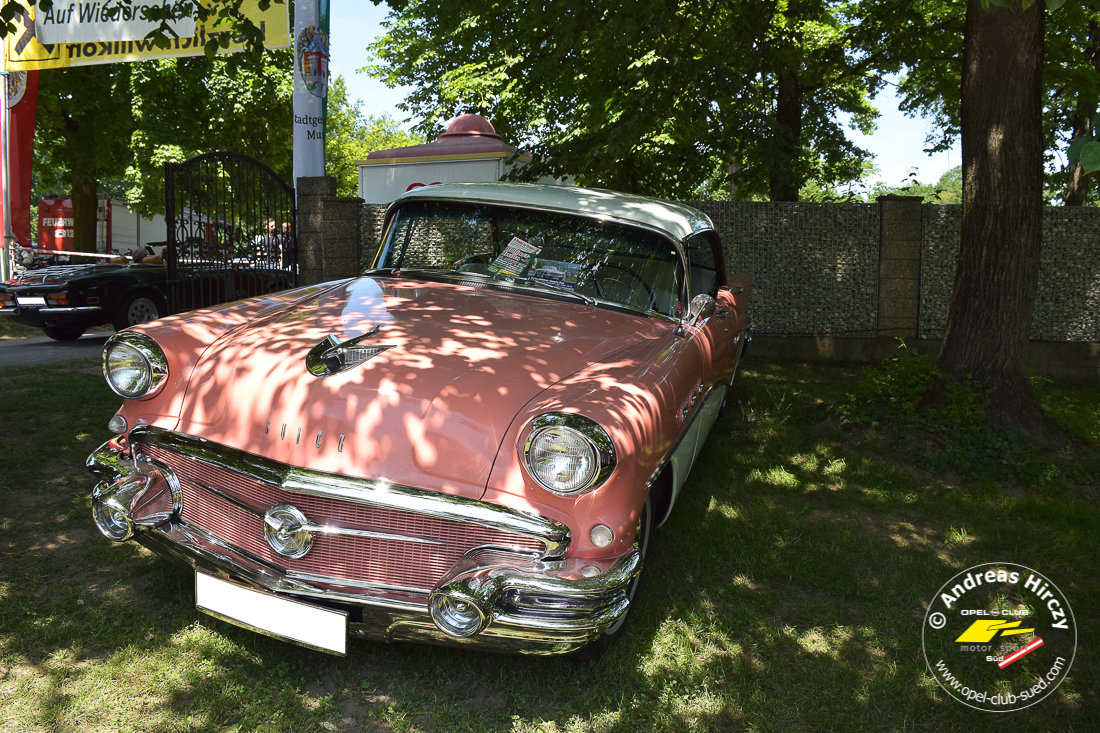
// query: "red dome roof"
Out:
[470,125]
[467,135]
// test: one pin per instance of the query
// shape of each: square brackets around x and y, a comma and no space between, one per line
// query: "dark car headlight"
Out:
[568,454]
[134,366]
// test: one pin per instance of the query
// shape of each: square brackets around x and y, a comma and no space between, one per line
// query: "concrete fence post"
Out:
[340,236]
[899,265]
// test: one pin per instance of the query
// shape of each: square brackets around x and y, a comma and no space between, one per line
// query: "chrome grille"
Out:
[394,563]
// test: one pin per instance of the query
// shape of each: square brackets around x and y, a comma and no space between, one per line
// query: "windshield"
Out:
[605,261]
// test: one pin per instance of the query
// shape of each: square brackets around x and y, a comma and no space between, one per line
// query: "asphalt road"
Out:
[44,350]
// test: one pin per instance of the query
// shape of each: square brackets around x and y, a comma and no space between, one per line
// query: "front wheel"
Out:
[138,308]
[595,648]
[64,333]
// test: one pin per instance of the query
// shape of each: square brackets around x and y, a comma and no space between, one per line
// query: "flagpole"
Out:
[9,235]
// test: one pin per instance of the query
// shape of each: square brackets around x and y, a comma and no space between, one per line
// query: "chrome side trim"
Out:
[77,309]
[373,492]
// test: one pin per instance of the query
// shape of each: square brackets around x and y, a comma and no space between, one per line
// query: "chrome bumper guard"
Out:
[492,599]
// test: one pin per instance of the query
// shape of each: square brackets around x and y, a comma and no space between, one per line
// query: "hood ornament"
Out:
[332,356]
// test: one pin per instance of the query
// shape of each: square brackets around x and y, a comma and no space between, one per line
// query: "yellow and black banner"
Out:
[23,52]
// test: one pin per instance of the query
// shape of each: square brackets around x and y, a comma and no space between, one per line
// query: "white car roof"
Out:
[675,220]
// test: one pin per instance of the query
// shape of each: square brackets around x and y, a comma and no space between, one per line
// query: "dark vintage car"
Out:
[447,448]
[66,300]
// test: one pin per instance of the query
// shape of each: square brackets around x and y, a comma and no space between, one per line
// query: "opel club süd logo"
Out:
[999,637]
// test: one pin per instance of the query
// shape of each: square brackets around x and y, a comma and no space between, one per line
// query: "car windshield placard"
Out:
[514,261]
[555,273]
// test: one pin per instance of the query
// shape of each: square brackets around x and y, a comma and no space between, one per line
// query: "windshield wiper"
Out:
[423,271]
[442,271]
[559,289]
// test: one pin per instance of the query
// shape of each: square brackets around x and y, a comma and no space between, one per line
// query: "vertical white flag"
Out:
[311,55]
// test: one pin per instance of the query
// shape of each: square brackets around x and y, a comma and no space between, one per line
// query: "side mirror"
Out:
[702,307]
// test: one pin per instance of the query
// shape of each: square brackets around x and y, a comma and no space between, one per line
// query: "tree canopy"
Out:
[652,96]
[184,107]
[1070,77]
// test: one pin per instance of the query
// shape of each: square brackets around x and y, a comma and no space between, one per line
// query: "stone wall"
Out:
[1067,305]
[815,267]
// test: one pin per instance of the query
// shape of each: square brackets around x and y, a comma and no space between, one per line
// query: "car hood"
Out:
[430,410]
[59,274]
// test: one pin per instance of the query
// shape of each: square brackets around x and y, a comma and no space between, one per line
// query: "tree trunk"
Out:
[85,198]
[1077,188]
[784,181]
[80,130]
[1002,161]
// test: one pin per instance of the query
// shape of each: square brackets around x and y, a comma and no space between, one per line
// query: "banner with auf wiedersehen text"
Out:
[311,55]
[112,20]
[23,51]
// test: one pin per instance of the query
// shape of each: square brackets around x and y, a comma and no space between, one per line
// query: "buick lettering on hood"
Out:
[468,444]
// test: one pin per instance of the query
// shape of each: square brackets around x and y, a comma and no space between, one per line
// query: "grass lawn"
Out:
[9,329]
[787,591]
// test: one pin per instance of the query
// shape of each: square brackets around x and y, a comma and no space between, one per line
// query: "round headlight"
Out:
[127,371]
[134,366]
[562,460]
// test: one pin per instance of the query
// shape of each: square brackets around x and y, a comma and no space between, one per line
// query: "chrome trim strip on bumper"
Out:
[373,492]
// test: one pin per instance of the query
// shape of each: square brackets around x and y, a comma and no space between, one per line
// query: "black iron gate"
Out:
[232,231]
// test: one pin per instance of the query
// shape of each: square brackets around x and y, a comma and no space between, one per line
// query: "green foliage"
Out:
[939,423]
[948,190]
[900,390]
[351,136]
[1085,150]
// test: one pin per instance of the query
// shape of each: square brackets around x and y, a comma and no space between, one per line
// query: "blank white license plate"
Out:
[32,301]
[269,614]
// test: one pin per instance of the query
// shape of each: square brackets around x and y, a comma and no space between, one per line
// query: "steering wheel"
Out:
[599,277]
[483,256]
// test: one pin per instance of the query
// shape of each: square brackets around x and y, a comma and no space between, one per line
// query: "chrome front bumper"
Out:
[523,604]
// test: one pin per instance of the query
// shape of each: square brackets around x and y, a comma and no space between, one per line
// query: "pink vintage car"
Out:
[468,444]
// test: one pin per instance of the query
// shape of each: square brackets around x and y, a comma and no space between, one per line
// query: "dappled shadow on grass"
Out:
[786,592]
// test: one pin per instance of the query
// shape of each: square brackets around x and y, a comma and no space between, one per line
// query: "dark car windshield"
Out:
[599,260]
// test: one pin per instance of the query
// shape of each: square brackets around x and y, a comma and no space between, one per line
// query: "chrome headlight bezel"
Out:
[588,433]
[150,355]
